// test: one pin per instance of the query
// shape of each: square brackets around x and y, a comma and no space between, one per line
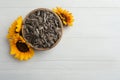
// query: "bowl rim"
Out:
[60,25]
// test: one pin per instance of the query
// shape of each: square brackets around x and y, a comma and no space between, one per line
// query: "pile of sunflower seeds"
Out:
[42,28]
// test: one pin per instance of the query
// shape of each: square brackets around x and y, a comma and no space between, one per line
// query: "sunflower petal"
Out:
[21,57]
[65,16]
[19,23]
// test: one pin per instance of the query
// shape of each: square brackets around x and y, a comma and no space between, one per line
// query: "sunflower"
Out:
[20,49]
[18,46]
[15,28]
[65,16]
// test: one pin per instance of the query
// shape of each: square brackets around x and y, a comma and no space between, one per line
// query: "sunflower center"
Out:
[22,46]
[65,18]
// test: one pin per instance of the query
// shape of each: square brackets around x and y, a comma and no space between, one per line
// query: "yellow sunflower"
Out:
[18,46]
[20,49]
[65,16]
[15,27]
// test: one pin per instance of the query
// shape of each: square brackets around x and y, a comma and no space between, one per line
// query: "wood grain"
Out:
[88,51]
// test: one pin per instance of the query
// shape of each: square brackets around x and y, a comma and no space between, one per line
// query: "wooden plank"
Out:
[74,49]
[62,3]
[64,66]
[89,22]
[61,75]
[95,36]
[88,51]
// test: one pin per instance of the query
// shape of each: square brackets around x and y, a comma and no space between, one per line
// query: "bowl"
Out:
[42,29]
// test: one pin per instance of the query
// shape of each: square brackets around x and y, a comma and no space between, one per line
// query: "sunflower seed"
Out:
[42,29]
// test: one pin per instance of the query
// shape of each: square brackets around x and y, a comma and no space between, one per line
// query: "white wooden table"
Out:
[90,50]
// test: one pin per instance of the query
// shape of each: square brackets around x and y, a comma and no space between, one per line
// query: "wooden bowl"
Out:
[42,29]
